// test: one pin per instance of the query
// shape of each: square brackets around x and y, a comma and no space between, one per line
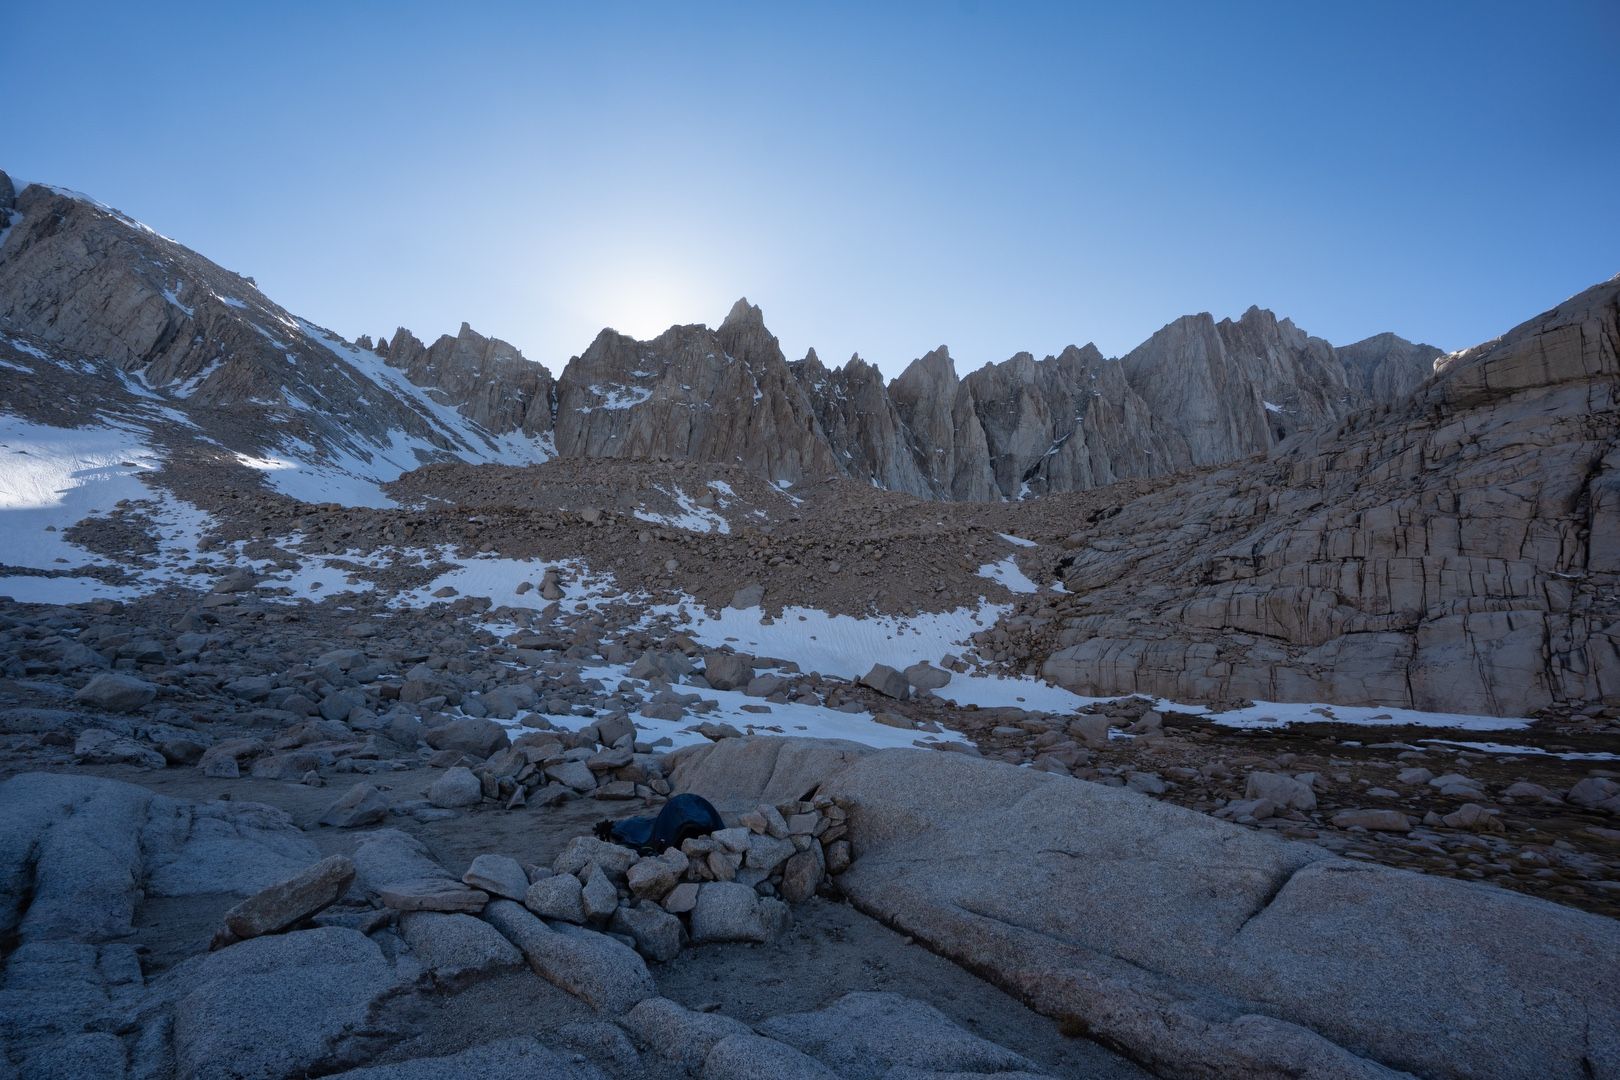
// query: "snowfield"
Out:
[812,721]
[842,645]
[1007,574]
[498,580]
[52,478]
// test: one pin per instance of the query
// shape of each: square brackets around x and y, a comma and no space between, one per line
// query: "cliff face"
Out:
[81,279]
[1456,551]
[693,393]
[488,379]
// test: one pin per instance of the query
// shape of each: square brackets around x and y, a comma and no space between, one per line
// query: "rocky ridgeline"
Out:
[79,280]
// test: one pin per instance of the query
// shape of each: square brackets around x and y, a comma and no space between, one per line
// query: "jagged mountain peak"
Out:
[935,365]
[1084,355]
[744,313]
[1197,392]
[1385,340]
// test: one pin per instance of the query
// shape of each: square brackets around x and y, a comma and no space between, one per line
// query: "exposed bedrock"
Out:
[1458,553]
[1198,947]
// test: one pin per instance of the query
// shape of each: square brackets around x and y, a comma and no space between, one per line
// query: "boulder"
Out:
[405,877]
[607,975]
[730,911]
[457,948]
[1593,791]
[728,671]
[575,775]
[682,898]
[658,934]
[1280,789]
[116,692]
[887,681]
[557,896]
[925,676]
[583,851]
[1373,820]
[277,1006]
[738,774]
[455,788]
[288,902]
[1090,728]
[223,760]
[749,596]
[599,895]
[498,875]
[470,735]
[361,805]
[750,1057]
[802,874]
[96,746]
[652,878]
[681,1036]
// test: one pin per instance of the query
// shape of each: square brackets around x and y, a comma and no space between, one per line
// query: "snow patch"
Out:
[1273,714]
[498,579]
[691,517]
[791,718]
[1532,751]
[173,297]
[843,645]
[618,397]
[1007,574]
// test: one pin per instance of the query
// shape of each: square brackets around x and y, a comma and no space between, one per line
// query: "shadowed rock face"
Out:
[861,422]
[107,296]
[1458,552]
[721,395]
[82,280]
[1385,367]
[486,378]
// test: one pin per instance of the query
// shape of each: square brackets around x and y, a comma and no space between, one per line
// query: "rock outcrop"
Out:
[693,393]
[1456,552]
[1195,946]
[1202,948]
[486,378]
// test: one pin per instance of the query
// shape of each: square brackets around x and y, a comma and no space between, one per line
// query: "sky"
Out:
[880,178]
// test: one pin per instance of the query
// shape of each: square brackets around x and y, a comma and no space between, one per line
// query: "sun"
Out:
[643,300]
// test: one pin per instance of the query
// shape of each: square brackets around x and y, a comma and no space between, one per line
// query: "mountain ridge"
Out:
[80,277]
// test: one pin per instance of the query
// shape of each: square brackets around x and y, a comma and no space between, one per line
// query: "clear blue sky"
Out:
[881,178]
